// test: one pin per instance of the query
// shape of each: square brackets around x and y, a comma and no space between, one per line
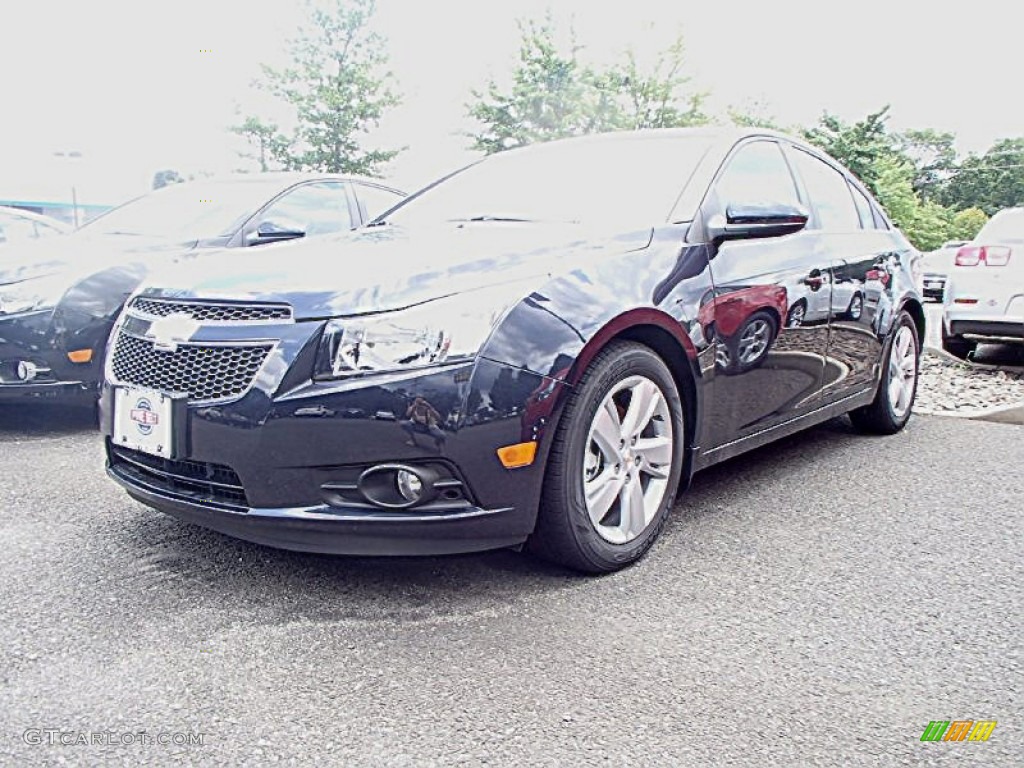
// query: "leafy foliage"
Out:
[992,181]
[967,223]
[337,91]
[555,95]
[860,146]
[270,144]
[933,156]
[753,115]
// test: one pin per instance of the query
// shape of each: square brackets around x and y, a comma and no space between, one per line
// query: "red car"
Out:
[744,322]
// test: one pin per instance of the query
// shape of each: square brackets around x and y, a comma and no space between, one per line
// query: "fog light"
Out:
[410,486]
[397,486]
[27,370]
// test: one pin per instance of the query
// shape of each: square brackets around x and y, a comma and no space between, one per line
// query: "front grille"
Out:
[213,312]
[203,372]
[189,480]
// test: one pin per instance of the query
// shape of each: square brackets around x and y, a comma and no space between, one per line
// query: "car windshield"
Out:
[620,181]
[190,211]
[1004,226]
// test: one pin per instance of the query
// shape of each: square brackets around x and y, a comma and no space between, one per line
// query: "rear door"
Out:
[861,260]
[770,345]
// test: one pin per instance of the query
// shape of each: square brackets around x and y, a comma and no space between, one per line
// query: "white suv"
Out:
[984,293]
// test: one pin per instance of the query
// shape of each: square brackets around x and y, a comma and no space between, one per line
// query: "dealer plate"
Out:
[144,421]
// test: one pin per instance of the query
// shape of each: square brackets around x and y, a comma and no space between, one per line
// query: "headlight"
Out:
[439,332]
[34,293]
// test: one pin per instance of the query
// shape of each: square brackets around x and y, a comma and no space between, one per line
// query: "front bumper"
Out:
[335,531]
[42,339]
[62,392]
[263,468]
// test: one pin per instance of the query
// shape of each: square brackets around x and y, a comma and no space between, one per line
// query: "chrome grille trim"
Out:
[210,312]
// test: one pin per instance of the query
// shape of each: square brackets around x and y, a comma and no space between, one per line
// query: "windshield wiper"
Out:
[476,219]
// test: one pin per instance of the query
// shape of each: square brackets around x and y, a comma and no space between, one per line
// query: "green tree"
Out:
[337,89]
[547,99]
[933,156]
[992,181]
[554,95]
[659,97]
[165,178]
[967,223]
[753,114]
[271,145]
[926,225]
[859,146]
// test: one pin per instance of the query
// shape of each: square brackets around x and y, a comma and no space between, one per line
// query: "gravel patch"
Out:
[953,387]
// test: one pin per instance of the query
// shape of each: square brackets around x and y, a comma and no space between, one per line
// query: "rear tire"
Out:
[613,472]
[889,412]
[958,346]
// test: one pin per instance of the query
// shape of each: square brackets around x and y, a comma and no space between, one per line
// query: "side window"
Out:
[319,208]
[373,201]
[830,194]
[867,218]
[757,173]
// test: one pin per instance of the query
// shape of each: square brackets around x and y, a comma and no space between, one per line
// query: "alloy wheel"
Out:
[902,372]
[754,341]
[628,459]
[796,316]
[856,307]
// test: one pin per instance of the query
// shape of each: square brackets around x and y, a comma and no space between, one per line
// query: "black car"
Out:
[59,297]
[515,354]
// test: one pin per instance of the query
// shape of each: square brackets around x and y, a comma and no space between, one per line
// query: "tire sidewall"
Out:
[636,361]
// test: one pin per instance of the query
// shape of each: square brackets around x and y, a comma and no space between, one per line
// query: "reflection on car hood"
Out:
[390,267]
[82,253]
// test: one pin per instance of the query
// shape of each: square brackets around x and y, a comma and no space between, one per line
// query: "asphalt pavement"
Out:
[817,602]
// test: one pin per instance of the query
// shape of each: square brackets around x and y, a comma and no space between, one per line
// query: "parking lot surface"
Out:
[817,602]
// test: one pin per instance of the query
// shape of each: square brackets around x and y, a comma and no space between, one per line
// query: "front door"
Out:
[772,300]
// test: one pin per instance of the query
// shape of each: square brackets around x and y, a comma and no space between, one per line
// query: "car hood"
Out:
[390,267]
[82,253]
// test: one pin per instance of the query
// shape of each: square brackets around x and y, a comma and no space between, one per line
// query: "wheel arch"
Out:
[662,334]
[916,311]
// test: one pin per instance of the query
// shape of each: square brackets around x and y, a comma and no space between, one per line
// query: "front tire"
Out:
[615,463]
[889,412]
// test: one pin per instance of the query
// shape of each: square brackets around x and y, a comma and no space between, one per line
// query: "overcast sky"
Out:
[125,81]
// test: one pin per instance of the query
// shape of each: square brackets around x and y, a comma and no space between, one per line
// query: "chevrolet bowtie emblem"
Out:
[167,333]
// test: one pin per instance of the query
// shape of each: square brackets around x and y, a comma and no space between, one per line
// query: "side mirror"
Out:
[755,220]
[275,230]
